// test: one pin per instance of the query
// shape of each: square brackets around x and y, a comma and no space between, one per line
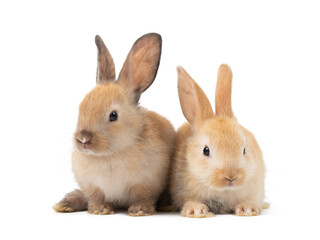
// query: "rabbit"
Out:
[121,151]
[217,166]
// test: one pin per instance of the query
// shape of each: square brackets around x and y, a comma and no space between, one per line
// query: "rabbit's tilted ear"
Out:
[223,91]
[105,70]
[141,65]
[194,102]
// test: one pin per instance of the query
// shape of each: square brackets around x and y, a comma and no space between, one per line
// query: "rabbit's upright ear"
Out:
[223,91]
[194,103]
[105,69]
[141,65]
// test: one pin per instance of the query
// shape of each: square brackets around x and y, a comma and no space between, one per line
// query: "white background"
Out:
[48,64]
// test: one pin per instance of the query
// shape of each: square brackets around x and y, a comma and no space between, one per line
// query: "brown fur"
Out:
[227,180]
[123,163]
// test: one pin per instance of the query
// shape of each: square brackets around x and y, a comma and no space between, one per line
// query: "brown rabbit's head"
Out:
[109,117]
[219,153]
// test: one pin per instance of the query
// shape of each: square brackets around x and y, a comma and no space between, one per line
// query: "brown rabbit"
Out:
[122,151]
[218,165]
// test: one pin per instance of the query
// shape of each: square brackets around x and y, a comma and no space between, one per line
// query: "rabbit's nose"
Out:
[84,137]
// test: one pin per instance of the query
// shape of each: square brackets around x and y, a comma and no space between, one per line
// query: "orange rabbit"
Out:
[122,151]
[218,165]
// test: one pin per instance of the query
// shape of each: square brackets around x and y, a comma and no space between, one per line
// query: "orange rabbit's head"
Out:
[109,116]
[220,153]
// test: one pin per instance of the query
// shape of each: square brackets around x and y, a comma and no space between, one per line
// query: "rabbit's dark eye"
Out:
[113,116]
[244,151]
[206,151]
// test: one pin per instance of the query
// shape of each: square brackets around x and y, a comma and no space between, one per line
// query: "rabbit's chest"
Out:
[223,202]
[113,181]
[114,178]
[218,207]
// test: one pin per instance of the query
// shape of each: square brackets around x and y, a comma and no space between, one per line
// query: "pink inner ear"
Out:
[194,103]
[187,95]
[188,103]
[141,66]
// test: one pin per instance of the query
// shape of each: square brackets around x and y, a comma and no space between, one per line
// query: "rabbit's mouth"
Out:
[225,188]
[84,144]
[228,179]
[88,151]
[89,148]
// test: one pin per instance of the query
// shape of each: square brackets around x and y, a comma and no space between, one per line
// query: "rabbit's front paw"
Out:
[247,209]
[141,210]
[103,209]
[196,210]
